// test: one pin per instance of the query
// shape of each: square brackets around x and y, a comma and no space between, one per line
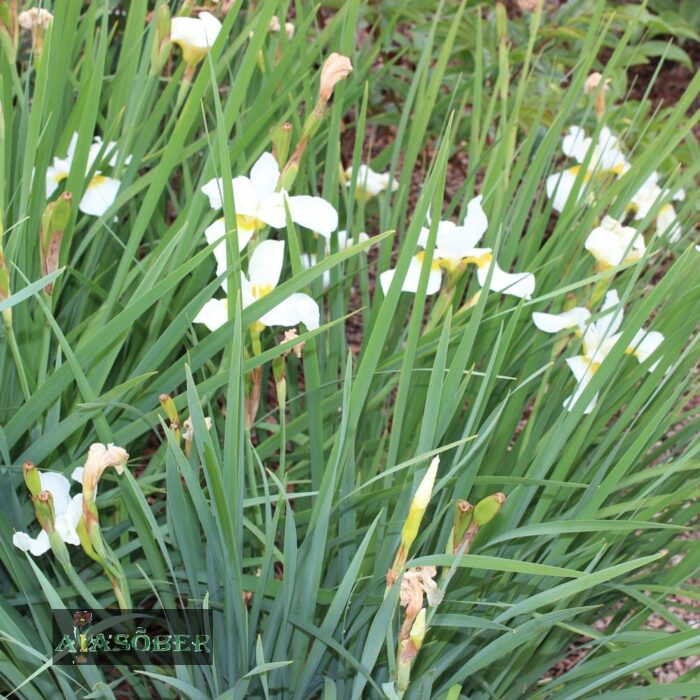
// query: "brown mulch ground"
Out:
[670,84]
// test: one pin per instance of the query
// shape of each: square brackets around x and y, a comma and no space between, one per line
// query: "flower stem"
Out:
[598,292]
[184,86]
[281,387]
[440,309]
[14,348]
[122,600]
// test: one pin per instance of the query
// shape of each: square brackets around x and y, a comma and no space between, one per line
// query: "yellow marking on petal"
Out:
[192,54]
[617,170]
[480,261]
[97,180]
[666,208]
[260,290]
[575,171]
[59,177]
[257,327]
[449,265]
[593,365]
[249,223]
[435,265]
[362,194]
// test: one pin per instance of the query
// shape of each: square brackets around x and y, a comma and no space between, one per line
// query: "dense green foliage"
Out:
[287,530]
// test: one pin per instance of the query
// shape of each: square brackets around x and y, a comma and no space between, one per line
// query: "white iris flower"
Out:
[264,270]
[67,513]
[455,248]
[258,203]
[606,157]
[101,190]
[613,244]
[647,196]
[195,35]
[599,338]
[369,183]
[309,260]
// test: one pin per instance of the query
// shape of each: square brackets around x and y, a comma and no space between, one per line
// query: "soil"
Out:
[670,84]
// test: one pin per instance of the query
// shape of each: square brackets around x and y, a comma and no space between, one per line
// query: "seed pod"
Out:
[31,478]
[487,509]
[53,224]
[463,516]
[281,142]
[168,405]
[43,507]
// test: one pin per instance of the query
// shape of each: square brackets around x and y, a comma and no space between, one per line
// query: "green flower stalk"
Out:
[281,141]
[36,20]
[9,24]
[467,521]
[444,302]
[279,370]
[43,508]
[55,511]
[595,86]
[168,405]
[161,40]
[5,289]
[598,292]
[60,517]
[335,69]
[45,514]
[101,457]
[408,651]
[7,319]
[253,378]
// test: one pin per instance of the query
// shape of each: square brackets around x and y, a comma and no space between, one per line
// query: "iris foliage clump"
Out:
[369,327]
